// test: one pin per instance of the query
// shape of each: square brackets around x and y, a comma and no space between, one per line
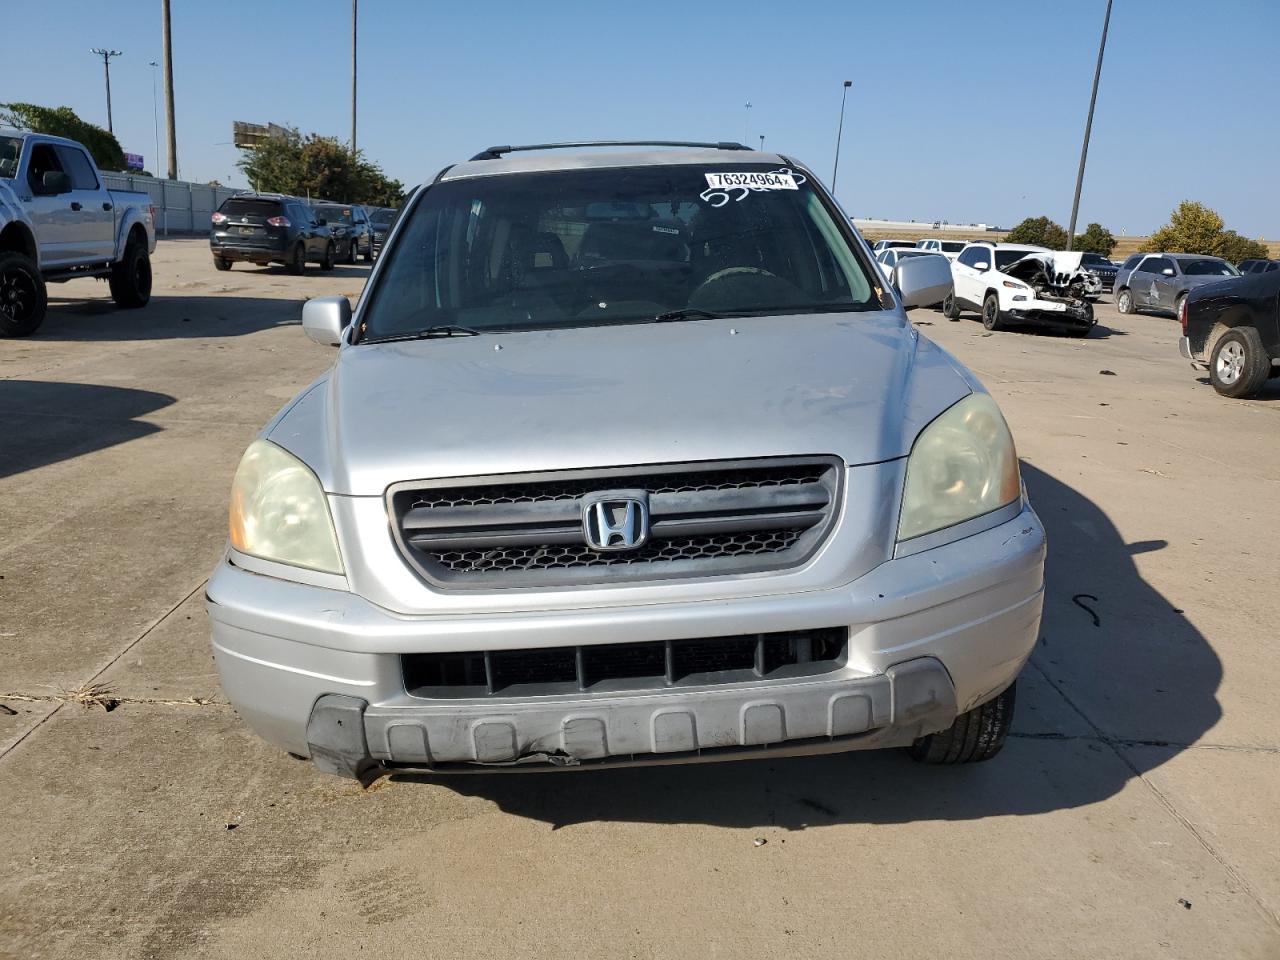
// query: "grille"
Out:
[704,520]
[625,666]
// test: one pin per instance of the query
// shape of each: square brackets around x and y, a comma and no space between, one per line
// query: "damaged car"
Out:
[628,456]
[1012,284]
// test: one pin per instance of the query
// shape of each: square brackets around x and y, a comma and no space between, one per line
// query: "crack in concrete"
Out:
[104,668]
[1116,746]
[105,696]
[1128,742]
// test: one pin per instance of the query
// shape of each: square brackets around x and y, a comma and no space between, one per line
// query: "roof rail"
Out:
[495,153]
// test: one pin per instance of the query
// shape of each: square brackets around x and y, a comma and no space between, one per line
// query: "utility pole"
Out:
[762,143]
[167,41]
[1088,128]
[106,56]
[354,4]
[155,115]
[844,95]
[746,124]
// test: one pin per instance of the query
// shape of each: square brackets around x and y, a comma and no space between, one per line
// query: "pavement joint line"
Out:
[1128,742]
[1116,747]
[107,666]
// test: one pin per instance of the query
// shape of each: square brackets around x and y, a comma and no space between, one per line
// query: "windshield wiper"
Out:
[688,313]
[430,333]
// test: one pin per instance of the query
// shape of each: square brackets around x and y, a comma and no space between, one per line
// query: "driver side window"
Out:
[44,159]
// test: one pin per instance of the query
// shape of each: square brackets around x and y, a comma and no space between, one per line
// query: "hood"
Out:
[1060,267]
[860,386]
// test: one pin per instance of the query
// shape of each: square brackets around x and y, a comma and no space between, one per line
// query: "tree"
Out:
[1194,228]
[318,166]
[63,122]
[1038,232]
[1233,248]
[1095,239]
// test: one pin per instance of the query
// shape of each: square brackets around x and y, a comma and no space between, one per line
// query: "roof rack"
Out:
[495,153]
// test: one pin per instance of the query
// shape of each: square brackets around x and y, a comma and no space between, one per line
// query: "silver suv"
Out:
[628,457]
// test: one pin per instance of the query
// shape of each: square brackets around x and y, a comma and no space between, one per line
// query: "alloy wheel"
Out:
[1230,363]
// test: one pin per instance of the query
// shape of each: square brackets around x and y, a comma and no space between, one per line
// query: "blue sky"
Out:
[970,112]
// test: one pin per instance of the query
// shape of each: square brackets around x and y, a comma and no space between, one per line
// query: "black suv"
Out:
[383,219]
[1258,266]
[267,228]
[1102,268]
[352,231]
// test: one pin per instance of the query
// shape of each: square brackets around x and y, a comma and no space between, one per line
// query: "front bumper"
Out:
[1069,319]
[931,635]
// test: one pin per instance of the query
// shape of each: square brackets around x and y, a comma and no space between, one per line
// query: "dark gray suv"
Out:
[1160,281]
[265,228]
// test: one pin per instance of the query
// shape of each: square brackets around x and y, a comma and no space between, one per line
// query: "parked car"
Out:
[890,244]
[889,260]
[1015,284]
[1160,281]
[58,222]
[382,220]
[628,456]
[352,231]
[266,228]
[1258,266]
[948,248]
[1232,329]
[1102,268]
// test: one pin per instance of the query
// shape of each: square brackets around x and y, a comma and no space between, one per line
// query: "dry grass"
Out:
[1124,245]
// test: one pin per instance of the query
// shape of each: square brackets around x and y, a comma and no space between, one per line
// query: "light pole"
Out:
[106,56]
[746,124]
[1088,128]
[353,77]
[155,114]
[839,134]
[762,143]
[171,130]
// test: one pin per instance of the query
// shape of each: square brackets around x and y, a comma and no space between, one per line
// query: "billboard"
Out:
[251,135]
[134,161]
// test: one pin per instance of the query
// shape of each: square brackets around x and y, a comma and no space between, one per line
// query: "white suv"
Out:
[948,248]
[1013,284]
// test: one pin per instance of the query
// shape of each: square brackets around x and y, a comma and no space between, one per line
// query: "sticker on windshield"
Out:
[723,187]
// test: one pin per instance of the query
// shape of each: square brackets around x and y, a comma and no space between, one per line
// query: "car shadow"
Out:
[1270,390]
[1142,675]
[166,317]
[48,422]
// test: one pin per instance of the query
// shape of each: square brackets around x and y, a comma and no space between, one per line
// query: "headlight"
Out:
[963,465]
[279,511]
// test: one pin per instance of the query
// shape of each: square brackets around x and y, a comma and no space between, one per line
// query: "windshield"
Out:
[382,218]
[1096,260]
[10,152]
[1208,268]
[586,247]
[334,214]
[1006,258]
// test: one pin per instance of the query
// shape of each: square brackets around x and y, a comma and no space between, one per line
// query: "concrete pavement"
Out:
[1143,773]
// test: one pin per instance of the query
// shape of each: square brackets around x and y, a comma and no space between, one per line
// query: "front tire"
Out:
[1239,365]
[329,259]
[130,279]
[353,254]
[23,298]
[991,312]
[1124,301]
[219,263]
[950,308]
[975,736]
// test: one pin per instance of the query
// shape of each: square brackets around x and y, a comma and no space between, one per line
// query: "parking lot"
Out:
[1134,813]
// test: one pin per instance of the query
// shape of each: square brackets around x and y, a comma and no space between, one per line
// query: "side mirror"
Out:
[924,280]
[55,181]
[981,265]
[1167,271]
[325,319]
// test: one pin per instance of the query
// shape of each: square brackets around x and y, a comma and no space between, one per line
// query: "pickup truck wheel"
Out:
[130,279]
[951,309]
[1124,301]
[329,258]
[353,253]
[23,300]
[976,734]
[991,312]
[1239,366]
[220,264]
[298,260]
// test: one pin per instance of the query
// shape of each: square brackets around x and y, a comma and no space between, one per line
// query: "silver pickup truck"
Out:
[58,222]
